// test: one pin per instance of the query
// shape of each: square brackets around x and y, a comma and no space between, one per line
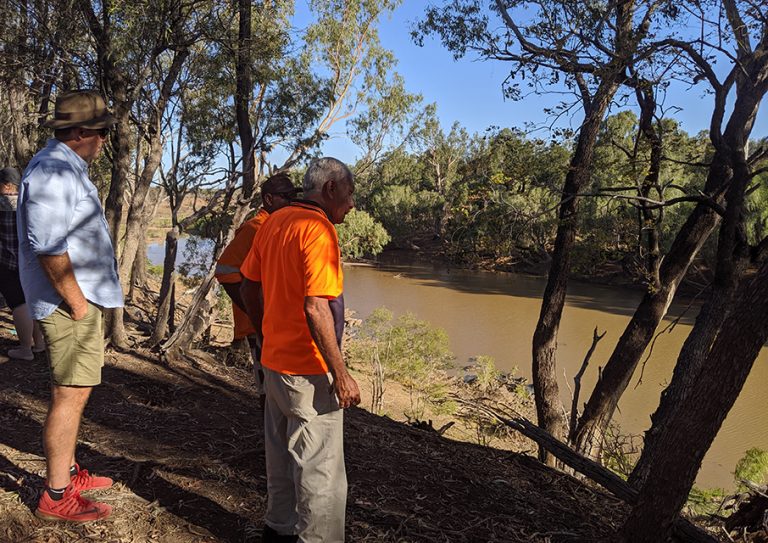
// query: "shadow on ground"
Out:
[184,444]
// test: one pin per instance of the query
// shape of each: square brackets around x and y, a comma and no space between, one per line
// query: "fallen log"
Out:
[750,510]
[682,528]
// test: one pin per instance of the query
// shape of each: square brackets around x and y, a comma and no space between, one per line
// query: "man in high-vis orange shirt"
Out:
[292,287]
[276,192]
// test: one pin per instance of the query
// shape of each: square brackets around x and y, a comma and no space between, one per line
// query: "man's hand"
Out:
[58,269]
[79,311]
[321,326]
[346,390]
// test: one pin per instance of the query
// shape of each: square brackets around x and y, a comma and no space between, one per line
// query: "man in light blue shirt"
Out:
[69,274]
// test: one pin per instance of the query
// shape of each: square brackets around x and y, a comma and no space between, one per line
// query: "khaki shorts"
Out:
[75,348]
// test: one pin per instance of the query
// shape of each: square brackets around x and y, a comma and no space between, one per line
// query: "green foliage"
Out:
[154,269]
[702,502]
[197,259]
[405,213]
[753,466]
[360,235]
[410,351]
[487,374]
[620,451]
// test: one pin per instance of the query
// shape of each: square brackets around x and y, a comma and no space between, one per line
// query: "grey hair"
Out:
[322,170]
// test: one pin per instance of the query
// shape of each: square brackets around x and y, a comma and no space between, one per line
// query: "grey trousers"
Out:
[304,445]
[257,371]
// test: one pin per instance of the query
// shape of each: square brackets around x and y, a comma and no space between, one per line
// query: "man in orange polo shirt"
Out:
[276,192]
[292,287]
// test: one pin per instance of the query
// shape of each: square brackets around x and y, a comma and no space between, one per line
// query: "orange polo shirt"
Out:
[295,254]
[228,267]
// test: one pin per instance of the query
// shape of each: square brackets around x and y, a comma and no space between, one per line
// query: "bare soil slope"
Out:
[184,443]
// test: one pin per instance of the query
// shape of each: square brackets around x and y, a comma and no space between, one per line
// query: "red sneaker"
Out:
[72,507]
[83,480]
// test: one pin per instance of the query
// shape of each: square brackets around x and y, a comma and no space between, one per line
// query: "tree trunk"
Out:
[243,93]
[121,165]
[17,103]
[136,221]
[195,321]
[695,423]
[113,207]
[732,260]
[164,304]
[650,223]
[689,240]
[139,269]
[549,406]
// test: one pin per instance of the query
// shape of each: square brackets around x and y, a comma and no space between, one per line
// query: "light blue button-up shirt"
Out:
[59,211]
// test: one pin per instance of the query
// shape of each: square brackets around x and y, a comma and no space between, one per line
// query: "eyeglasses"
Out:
[103,132]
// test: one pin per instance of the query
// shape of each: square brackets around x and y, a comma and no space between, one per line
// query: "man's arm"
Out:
[60,273]
[233,290]
[253,304]
[320,321]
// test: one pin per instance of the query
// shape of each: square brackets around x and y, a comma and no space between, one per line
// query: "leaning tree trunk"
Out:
[625,357]
[194,323]
[135,223]
[691,429]
[196,317]
[549,407]
[637,335]
[732,260]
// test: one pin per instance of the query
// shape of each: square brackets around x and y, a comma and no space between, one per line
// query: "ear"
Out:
[329,189]
[267,199]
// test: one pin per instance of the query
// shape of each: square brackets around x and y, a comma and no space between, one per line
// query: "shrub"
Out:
[360,235]
[406,349]
[753,466]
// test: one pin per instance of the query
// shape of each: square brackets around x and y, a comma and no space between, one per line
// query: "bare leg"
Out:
[37,335]
[22,320]
[60,431]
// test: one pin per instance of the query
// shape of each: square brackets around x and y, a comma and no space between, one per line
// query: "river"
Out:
[487,313]
[495,314]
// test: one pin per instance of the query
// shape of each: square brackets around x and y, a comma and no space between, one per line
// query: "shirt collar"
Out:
[309,204]
[76,159]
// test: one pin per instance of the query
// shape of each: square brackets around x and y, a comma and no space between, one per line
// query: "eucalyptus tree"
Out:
[303,82]
[139,48]
[39,51]
[389,123]
[740,43]
[587,48]
[443,153]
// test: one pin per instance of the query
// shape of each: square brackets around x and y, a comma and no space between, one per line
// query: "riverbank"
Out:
[607,273]
[184,443]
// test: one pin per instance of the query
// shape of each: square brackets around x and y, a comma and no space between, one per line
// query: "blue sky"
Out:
[469,90]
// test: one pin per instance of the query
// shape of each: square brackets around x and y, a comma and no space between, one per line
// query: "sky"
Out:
[470,90]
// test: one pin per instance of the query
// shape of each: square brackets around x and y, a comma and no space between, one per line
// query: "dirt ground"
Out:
[184,445]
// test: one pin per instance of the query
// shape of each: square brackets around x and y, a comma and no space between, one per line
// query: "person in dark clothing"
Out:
[30,338]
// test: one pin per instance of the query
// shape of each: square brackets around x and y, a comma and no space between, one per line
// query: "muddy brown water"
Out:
[486,313]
